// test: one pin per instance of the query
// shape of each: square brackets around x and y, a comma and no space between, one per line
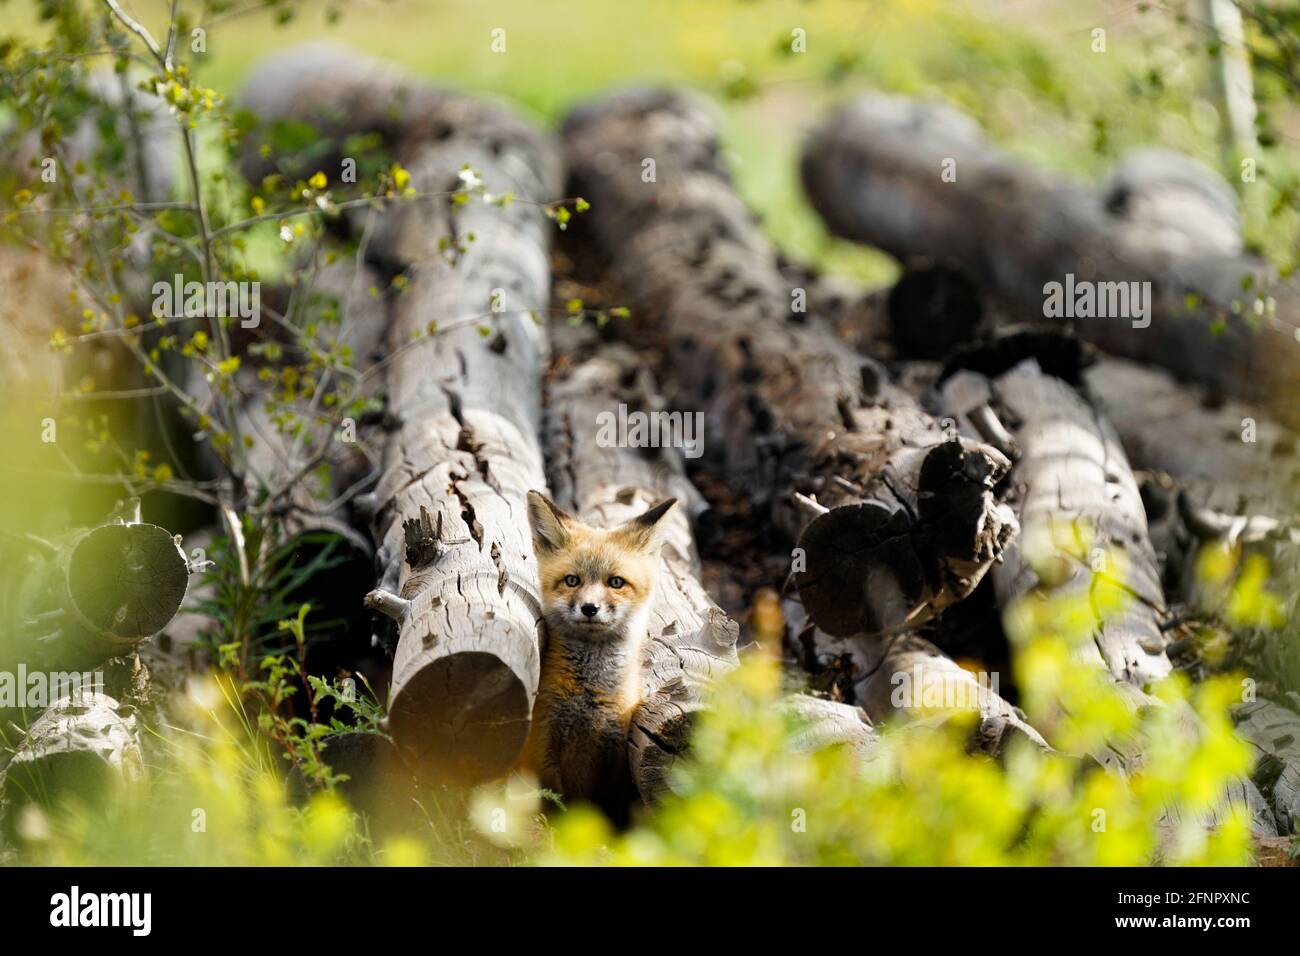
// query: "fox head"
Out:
[596,583]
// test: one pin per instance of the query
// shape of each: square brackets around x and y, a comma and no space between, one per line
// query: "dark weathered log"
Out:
[894,522]
[77,747]
[920,180]
[692,642]
[96,594]
[1081,515]
[455,557]
[1274,731]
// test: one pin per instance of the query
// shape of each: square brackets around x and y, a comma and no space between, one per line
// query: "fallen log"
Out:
[1227,456]
[1081,515]
[691,641]
[322,97]
[309,473]
[1079,508]
[336,105]
[920,180]
[905,678]
[77,748]
[95,594]
[893,521]
[908,676]
[457,571]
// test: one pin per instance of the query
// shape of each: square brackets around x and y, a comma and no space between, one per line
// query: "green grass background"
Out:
[1026,68]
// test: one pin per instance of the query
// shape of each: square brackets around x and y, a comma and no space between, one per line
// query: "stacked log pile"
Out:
[1082,521]
[805,422]
[1023,470]
[1207,423]
[895,521]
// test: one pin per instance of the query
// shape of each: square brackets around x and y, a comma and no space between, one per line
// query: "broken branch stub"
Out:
[896,518]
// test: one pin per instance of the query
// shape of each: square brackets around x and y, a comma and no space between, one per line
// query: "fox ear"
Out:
[550,524]
[646,529]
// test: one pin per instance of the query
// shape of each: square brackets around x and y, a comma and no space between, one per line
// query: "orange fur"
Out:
[596,586]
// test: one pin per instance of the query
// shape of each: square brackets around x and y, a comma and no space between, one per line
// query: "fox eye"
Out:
[616,582]
[572,580]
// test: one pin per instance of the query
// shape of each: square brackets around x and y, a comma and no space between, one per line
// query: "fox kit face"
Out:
[595,583]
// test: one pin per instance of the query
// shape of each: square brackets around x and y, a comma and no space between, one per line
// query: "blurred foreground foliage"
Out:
[744,796]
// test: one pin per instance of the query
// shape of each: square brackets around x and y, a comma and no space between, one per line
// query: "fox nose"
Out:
[590,610]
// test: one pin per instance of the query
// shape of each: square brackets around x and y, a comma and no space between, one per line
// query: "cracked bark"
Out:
[896,522]
[456,567]
[449,507]
[691,640]
[873,171]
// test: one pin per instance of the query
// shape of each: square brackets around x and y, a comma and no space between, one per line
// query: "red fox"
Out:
[597,588]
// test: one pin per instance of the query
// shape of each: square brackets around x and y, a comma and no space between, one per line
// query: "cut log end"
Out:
[958,514]
[862,573]
[462,718]
[127,581]
[872,567]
